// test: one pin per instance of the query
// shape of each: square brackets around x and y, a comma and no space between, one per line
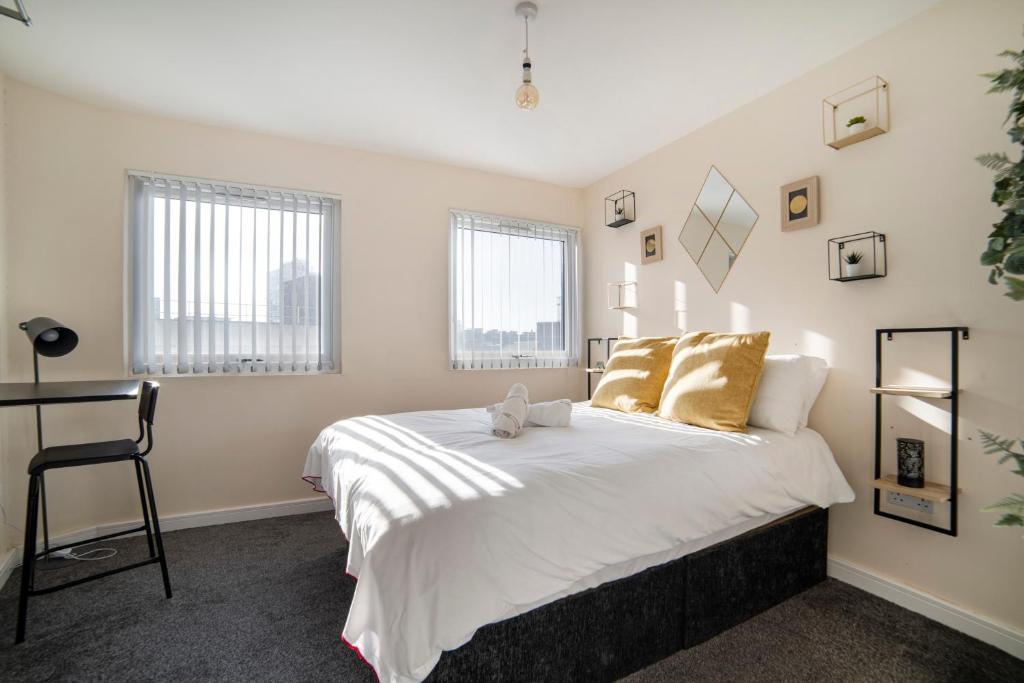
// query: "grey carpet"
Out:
[266,601]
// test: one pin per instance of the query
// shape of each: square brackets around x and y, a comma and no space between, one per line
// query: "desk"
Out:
[48,393]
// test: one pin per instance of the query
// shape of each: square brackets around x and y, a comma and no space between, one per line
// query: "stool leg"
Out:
[46,525]
[145,508]
[28,562]
[156,528]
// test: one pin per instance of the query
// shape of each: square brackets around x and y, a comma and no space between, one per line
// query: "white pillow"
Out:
[817,369]
[789,386]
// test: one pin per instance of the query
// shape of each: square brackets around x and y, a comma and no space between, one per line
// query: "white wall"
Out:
[233,441]
[6,531]
[920,186]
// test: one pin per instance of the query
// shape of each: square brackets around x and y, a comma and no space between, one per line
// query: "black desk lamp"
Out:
[51,339]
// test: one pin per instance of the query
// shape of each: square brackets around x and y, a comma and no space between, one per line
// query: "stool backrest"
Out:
[147,412]
[147,401]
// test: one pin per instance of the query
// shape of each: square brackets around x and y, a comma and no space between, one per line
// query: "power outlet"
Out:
[912,502]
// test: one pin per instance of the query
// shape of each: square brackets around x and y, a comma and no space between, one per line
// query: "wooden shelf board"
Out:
[848,140]
[938,493]
[921,392]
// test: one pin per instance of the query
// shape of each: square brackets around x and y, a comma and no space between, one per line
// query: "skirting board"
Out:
[1003,637]
[189,520]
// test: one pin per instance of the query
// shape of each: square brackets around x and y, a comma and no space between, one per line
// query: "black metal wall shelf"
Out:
[873,261]
[591,371]
[934,492]
[620,209]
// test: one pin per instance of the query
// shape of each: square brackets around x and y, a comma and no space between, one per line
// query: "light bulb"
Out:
[527,96]
[50,335]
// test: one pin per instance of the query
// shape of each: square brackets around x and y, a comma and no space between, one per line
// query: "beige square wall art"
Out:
[800,204]
[650,245]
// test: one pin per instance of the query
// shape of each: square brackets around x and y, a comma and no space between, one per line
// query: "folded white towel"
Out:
[549,414]
[512,416]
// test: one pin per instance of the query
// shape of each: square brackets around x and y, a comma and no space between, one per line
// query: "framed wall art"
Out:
[800,204]
[650,245]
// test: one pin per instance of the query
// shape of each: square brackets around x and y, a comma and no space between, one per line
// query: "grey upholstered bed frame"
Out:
[622,626]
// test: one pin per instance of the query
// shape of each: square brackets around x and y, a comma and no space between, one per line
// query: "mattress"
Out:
[450,528]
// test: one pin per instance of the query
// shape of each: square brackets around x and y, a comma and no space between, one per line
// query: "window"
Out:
[230,278]
[513,293]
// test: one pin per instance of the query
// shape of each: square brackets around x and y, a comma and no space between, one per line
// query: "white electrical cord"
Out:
[70,554]
[67,554]
[84,557]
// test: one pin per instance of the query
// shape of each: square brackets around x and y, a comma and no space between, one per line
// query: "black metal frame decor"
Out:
[590,370]
[613,630]
[952,394]
[620,209]
[869,242]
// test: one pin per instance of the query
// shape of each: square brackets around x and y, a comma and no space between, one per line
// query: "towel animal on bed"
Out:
[516,412]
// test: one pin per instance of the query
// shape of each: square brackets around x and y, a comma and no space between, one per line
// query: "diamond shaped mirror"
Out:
[717,228]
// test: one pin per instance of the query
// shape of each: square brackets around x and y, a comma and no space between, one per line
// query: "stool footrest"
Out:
[93,577]
[104,537]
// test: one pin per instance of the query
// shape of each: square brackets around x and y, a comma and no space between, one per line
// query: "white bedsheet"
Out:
[451,528]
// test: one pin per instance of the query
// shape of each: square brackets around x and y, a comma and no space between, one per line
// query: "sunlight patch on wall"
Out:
[916,378]
[628,272]
[680,305]
[740,317]
[629,320]
[817,344]
[926,412]
[629,325]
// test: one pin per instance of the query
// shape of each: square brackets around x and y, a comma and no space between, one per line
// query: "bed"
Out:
[452,531]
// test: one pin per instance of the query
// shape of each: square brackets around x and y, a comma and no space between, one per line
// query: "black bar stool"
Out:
[77,455]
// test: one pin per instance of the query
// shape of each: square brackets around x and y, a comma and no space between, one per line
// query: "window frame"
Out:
[571,303]
[251,370]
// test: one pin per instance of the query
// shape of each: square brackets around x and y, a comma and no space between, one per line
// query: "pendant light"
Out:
[527,96]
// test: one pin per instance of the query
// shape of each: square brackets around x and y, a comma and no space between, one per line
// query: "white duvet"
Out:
[451,528]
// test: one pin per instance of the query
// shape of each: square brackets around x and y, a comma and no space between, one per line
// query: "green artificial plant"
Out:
[1005,249]
[1005,252]
[1012,506]
[855,120]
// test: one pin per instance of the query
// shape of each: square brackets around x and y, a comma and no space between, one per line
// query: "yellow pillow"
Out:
[635,374]
[713,379]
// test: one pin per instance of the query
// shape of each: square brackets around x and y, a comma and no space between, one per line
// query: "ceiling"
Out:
[435,80]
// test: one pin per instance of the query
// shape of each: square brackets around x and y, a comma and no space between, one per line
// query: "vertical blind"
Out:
[513,291]
[230,278]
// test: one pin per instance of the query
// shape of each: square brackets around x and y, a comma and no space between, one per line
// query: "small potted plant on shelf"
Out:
[854,264]
[856,124]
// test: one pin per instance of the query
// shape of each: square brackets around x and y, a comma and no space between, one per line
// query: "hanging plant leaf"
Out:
[1016,287]
[1014,262]
[1011,506]
[1010,520]
[991,257]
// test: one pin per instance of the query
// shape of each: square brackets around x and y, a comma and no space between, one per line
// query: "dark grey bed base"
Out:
[622,626]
